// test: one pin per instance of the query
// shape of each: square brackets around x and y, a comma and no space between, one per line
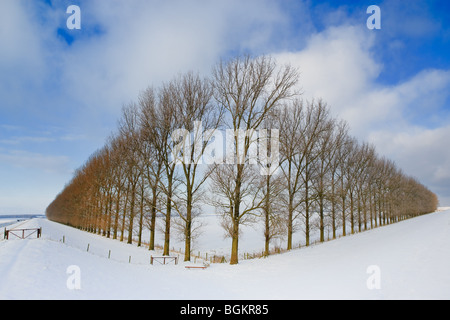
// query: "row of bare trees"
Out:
[166,160]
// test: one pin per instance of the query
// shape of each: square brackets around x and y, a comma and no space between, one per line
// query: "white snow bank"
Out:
[410,259]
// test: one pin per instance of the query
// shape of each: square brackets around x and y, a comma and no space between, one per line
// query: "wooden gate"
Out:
[22,233]
[164,259]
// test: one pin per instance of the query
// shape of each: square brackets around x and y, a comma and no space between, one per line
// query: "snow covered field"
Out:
[407,260]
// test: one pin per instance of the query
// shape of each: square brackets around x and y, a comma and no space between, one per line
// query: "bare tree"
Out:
[291,120]
[129,129]
[326,147]
[164,123]
[301,129]
[248,88]
[153,152]
[195,112]
[343,185]
[271,181]
[339,138]
[366,156]
[116,150]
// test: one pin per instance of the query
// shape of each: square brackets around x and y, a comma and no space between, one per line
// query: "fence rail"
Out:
[22,233]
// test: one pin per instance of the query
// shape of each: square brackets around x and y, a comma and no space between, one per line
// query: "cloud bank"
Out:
[408,121]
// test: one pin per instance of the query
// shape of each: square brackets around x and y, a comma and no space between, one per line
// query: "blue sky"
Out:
[61,90]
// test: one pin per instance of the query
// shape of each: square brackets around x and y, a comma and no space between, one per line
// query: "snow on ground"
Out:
[410,259]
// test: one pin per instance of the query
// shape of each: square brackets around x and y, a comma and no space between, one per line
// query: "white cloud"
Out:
[142,43]
[338,66]
[123,47]
[407,121]
[18,38]
[421,152]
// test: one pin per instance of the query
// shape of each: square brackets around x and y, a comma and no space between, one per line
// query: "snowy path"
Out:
[412,258]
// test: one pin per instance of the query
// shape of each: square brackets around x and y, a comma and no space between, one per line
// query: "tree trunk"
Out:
[290,222]
[116,216]
[188,227]
[141,216]
[130,224]
[108,234]
[166,250]
[333,209]
[267,218]
[153,219]
[122,227]
[235,243]
[344,233]
[307,227]
[236,212]
[352,220]
[321,214]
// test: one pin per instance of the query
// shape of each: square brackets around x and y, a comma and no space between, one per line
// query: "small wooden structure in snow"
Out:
[22,233]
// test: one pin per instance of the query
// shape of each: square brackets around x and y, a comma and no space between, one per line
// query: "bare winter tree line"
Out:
[326,180]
